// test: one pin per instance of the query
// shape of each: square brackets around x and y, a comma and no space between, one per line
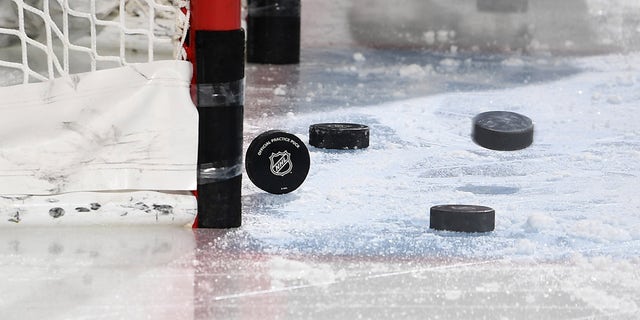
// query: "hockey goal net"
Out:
[45,39]
[96,118]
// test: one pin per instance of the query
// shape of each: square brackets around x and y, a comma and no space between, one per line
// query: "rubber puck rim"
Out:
[339,135]
[266,150]
[462,218]
[502,130]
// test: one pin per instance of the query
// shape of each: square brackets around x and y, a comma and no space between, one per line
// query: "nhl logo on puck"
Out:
[280,163]
[277,162]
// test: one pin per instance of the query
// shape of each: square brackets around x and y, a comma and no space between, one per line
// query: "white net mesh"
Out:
[45,39]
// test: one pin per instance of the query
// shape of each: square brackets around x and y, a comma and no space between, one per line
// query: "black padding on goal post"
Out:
[219,204]
[219,56]
[220,101]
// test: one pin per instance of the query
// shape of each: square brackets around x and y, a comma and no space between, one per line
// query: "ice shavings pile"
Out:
[573,191]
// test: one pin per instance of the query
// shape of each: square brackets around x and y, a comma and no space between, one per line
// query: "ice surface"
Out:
[567,214]
[567,236]
[353,241]
[571,192]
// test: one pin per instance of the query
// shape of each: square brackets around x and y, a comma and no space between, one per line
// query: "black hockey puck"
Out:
[277,162]
[502,130]
[339,136]
[463,218]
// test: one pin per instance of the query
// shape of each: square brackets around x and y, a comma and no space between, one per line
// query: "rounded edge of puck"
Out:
[277,162]
[502,130]
[462,218]
[339,136]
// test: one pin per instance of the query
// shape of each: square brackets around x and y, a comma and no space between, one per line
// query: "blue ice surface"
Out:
[574,191]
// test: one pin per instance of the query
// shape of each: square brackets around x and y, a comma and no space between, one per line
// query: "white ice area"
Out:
[354,241]
[574,191]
